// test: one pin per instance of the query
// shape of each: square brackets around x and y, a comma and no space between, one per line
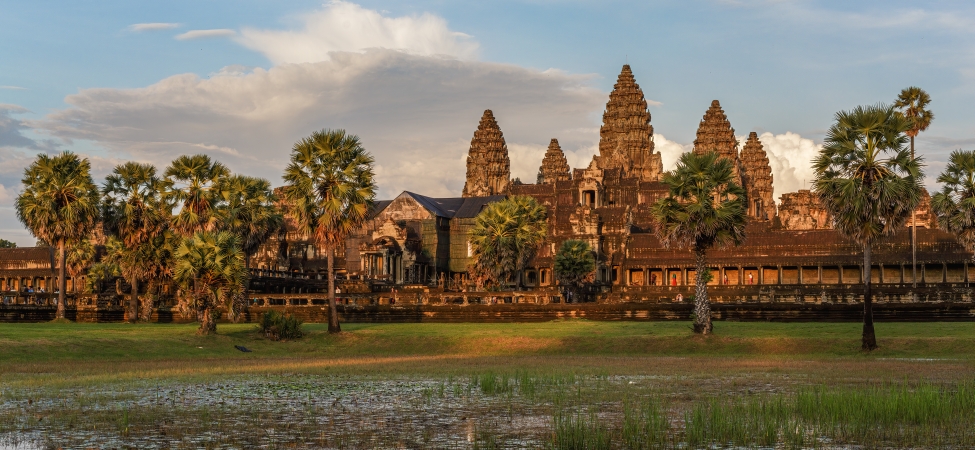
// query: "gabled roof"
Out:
[459,207]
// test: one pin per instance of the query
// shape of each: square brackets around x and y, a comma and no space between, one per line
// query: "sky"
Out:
[243,80]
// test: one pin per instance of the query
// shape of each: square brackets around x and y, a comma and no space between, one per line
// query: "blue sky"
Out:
[242,80]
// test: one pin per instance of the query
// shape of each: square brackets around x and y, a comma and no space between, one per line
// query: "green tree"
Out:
[7,244]
[330,188]
[194,185]
[506,236]
[59,204]
[869,183]
[249,211]
[705,208]
[209,267]
[574,264]
[955,204]
[912,103]
[133,211]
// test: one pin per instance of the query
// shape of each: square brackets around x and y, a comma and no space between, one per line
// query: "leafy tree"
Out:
[59,204]
[7,244]
[330,188]
[574,264]
[133,211]
[209,267]
[869,183]
[705,208]
[955,204]
[194,185]
[248,210]
[506,236]
[912,104]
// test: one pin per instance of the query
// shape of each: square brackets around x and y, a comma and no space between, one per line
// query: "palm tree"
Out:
[330,191]
[249,211]
[209,266]
[574,263]
[59,205]
[869,183]
[194,185]
[912,103]
[506,236]
[133,210]
[704,208]
[955,204]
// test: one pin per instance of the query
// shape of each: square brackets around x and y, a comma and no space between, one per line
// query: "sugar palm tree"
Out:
[506,236]
[912,103]
[193,185]
[330,189]
[249,211]
[955,204]
[574,263]
[704,208]
[869,183]
[59,204]
[133,211]
[209,267]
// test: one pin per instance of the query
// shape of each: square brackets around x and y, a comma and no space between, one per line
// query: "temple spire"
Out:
[715,134]
[626,136]
[488,166]
[554,165]
[757,177]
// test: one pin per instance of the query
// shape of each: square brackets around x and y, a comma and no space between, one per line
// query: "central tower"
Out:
[626,137]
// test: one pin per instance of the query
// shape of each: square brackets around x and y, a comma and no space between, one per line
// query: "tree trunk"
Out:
[913,234]
[207,324]
[702,307]
[62,279]
[333,312]
[869,338]
[134,301]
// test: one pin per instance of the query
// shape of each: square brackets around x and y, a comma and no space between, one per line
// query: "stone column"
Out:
[780,275]
[741,275]
[840,277]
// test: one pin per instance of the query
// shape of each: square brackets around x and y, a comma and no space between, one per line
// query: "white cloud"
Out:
[152,26]
[347,27]
[416,114]
[670,151]
[205,34]
[790,156]
[14,88]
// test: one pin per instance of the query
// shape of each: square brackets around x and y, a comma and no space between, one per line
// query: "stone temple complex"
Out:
[415,243]
[415,239]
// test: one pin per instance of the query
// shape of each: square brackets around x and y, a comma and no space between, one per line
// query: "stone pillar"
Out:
[799,275]
[741,275]
[819,274]
[761,275]
[902,273]
[944,272]
[780,274]
[840,277]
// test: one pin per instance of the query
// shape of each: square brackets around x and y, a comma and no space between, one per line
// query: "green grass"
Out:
[563,384]
[38,343]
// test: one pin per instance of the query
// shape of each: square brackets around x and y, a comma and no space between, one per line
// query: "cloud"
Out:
[347,27]
[205,34]
[790,157]
[670,151]
[416,114]
[152,26]
[12,130]
[14,88]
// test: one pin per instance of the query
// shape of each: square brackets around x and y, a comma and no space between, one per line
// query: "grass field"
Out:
[563,384]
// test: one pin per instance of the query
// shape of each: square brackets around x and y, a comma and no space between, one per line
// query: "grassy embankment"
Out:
[611,384]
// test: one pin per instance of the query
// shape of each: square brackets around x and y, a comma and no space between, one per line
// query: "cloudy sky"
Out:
[242,80]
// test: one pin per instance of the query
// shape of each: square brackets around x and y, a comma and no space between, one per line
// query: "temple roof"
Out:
[488,165]
[554,165]
[715,134]
[452,207]
[626,136]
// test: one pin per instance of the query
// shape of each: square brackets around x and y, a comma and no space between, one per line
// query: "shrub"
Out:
[277,326]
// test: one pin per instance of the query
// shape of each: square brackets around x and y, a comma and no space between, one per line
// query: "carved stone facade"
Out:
[488,166]
[714,134]
[757,176]
[554,165]
[626,136]
[802,210]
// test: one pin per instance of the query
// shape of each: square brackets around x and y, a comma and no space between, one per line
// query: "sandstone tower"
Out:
[488,166]
[626,137]
[554,165]
[715,134]
[757,176]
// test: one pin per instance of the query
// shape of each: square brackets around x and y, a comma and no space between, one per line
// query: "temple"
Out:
[420,244]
